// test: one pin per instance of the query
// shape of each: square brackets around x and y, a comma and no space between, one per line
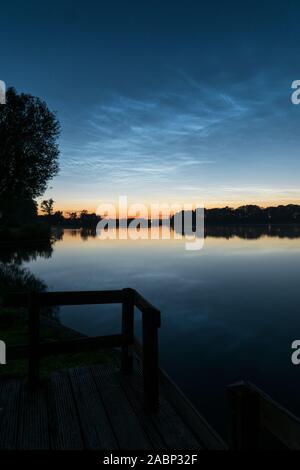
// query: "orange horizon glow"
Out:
[77,207]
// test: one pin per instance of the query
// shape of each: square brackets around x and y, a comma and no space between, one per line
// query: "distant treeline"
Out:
[248,214]
[72,220]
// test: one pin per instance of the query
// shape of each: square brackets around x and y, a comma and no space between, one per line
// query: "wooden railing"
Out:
[129,298]
[258,422]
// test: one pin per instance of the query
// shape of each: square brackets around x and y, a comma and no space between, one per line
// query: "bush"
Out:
[17,212]
[28,232]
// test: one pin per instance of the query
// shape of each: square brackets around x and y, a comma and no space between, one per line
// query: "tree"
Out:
[57,218]
[47,206]
[72,216]
[84,214]
[28,150]
[88,220]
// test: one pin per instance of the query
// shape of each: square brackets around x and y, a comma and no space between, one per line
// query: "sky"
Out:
[163,101]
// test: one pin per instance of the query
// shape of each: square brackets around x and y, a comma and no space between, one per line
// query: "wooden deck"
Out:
[98,407]
[129,405]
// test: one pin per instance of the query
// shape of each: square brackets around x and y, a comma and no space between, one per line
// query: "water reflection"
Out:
[229,311]
[17,254]
[14,277]
[87,233]
[250,232]
[253,232]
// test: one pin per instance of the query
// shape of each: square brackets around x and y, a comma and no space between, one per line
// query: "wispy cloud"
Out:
[192,137]
[162,135]
[253,189]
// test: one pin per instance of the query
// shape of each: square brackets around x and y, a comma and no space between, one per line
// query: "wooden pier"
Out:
[128,403]
[132,404]
[96,407]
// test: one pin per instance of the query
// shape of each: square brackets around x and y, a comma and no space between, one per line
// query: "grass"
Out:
[14,330]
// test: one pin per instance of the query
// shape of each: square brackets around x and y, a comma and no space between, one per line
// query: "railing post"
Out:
[244,417]
[33,325]
[151,320]
[127,330]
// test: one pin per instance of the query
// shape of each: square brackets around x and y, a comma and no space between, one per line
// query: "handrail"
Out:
[254,413]
[129,298]
[142,304]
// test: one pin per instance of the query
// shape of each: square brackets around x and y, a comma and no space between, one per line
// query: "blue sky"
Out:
[170,101]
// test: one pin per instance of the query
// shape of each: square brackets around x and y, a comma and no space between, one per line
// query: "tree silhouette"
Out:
[28,151]
[72,215]
[47,206]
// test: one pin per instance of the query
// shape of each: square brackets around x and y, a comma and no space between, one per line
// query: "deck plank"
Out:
[205,434]
[98,407]
[127,428]
[174,430]
[65,430]
[97,431]
[9,406]
[151,429]
[33,429]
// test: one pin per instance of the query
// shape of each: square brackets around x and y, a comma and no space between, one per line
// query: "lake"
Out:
[229,311]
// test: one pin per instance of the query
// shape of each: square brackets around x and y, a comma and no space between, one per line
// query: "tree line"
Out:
[247,214]
[250,214]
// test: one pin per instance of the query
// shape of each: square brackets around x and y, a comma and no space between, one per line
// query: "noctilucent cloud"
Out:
[185,101]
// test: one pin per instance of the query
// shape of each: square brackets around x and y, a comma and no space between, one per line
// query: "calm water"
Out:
[229,311]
